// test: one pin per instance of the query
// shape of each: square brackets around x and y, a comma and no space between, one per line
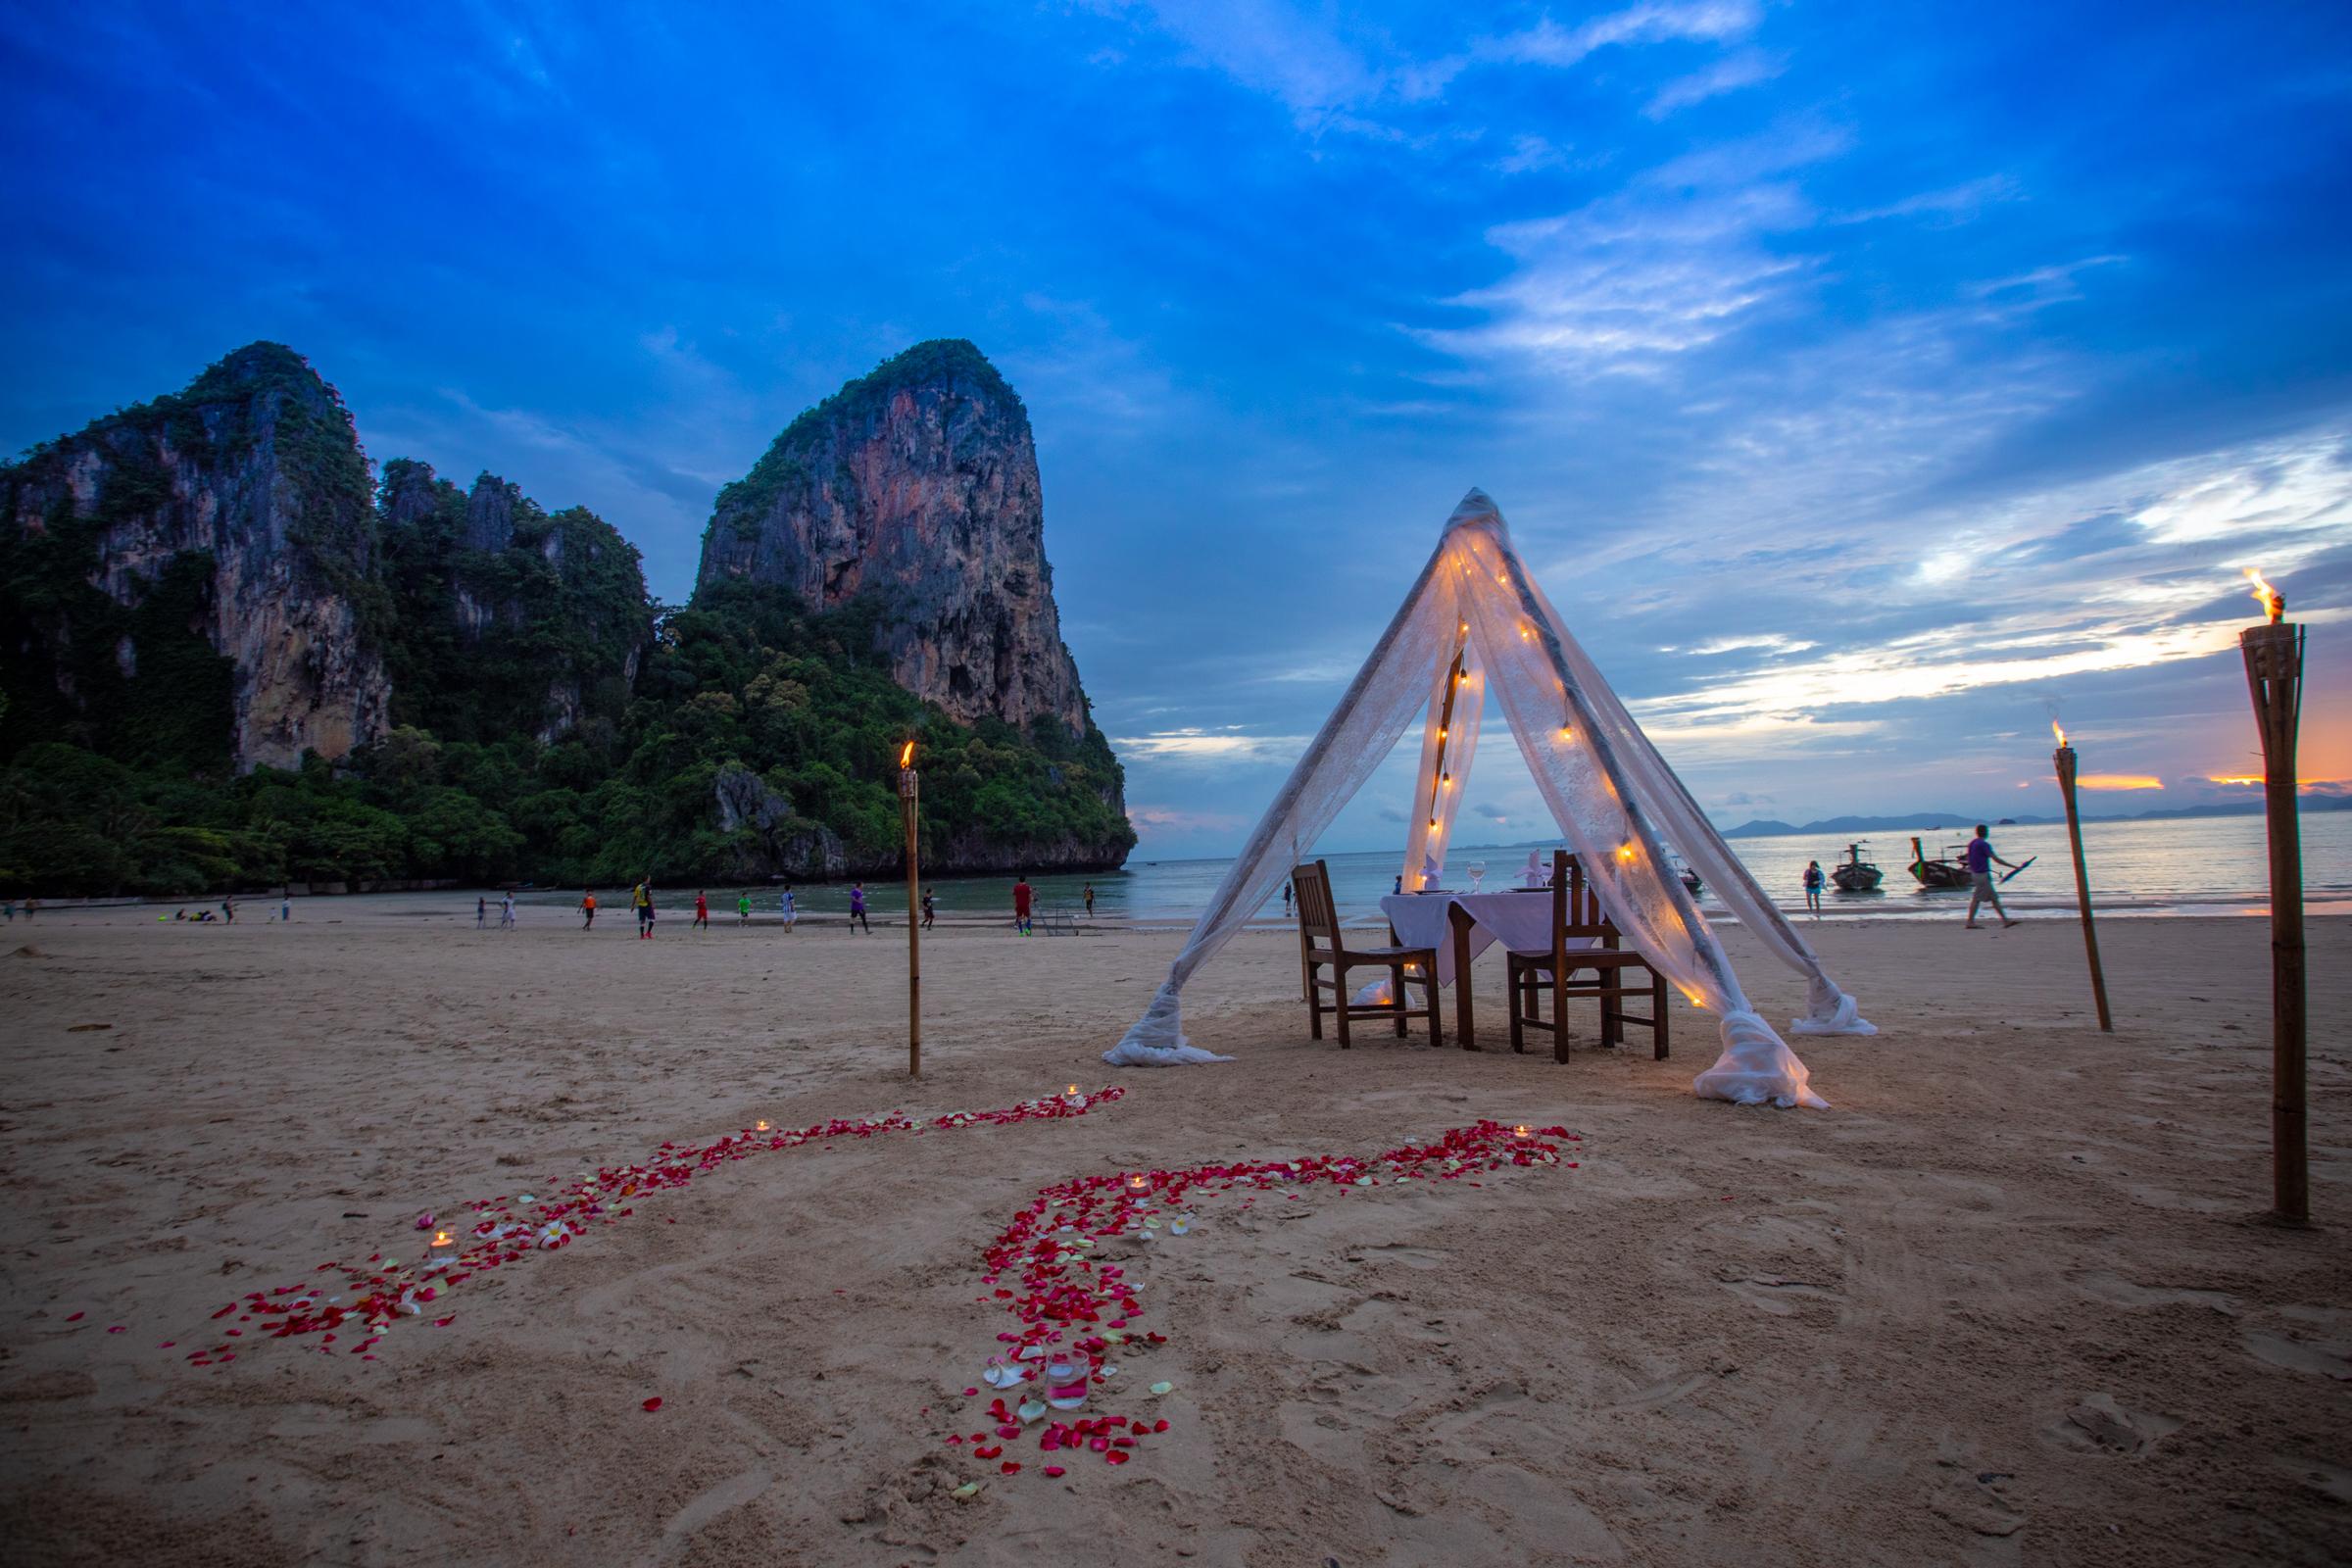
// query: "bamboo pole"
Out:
[909,784]
[2274,655]
[2064,757]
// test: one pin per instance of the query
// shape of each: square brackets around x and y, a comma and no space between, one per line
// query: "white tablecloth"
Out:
[1519,922]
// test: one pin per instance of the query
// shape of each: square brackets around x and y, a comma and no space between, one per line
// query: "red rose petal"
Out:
[74,1318]
[1116,1456]
[654,1403]
[1055,1470]
[1010,1467]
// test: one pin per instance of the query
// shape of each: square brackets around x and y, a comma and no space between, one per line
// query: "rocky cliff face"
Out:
[235,515]
[510,620]
[916,486]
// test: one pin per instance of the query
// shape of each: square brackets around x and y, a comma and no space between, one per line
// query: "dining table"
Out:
[1460,927]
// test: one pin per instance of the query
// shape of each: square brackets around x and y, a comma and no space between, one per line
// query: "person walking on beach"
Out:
[31,905]
[643,902]
[505,912]
[1023,896]
[587,908]
[1286,897]
[785,908]
[701,911]
[1089,901]
[743,908]
[229,910]
[930,906]
[481,912]
[1813,881]
[285,906]
[858,908]
[1981,860]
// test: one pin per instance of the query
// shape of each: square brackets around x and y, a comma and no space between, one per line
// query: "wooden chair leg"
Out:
[1314,1004]
[1338,1004]
[1559,1012]
[1657,1011]
[1516,995]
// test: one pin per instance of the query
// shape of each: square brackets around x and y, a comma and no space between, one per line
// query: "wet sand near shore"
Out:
[2011,1300]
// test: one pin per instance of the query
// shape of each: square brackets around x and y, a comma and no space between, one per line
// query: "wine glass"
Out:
[1478,872]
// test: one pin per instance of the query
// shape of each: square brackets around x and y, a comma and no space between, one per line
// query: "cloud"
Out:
[1492,813]
[1179,820]
[1226,743]
[1548,43]
[1672,263]
[1950,204]
[1745,69]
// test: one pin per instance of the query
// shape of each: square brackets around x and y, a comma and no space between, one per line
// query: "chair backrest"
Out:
[1575,911]
[1317,915]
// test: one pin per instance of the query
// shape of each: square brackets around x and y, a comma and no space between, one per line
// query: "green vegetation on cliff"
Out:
[746,684]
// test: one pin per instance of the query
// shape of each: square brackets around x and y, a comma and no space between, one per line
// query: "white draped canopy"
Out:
[1476,619]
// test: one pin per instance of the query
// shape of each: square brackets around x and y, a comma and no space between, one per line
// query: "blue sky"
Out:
[1863,381]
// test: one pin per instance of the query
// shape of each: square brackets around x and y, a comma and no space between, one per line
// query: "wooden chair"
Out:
[1321,945]
[1577,916]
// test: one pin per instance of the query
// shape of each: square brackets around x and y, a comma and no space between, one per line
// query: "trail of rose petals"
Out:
[1074,1309]
[383,1291]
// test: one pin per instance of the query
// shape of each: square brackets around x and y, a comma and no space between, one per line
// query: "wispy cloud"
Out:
[1228,744]
[1747,68]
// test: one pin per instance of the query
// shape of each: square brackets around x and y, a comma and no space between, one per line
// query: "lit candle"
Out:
[1521,1131]
[440,1237]
[762,1126]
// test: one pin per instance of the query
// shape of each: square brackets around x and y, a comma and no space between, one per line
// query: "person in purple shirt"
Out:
[857,919]
[1980,860]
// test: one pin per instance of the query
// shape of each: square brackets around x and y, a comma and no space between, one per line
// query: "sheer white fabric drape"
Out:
[1614,798]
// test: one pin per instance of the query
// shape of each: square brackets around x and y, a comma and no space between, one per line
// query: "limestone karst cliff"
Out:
[508,619]
[227,662]
[186,577]
[916,487]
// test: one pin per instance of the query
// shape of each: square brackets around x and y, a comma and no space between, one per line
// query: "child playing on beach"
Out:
[587,908]
[1023,897]
[506,913]
[858,908]
[1979,875]
[930,906]
[702,913]
[743,908]
[1813,881]
[1089,901]
[642,900]
[481,912]
[784,906]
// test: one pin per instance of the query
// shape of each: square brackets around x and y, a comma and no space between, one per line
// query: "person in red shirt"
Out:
[701,911]
[1022,896]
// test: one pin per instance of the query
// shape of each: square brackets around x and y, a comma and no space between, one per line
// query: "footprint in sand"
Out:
[2101,1424]
[2299,1355]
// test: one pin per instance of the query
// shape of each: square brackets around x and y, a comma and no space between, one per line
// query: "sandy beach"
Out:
[2011,1300]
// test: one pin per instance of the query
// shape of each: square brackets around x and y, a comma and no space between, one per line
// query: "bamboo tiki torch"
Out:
[2273,655]
[908,785]
[2064,757]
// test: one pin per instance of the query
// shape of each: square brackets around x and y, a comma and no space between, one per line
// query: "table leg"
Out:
[1459,919]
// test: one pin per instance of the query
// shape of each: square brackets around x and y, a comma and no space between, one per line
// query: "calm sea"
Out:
[2212,865]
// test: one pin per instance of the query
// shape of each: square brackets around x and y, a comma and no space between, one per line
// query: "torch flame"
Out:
[906,754]
[2058,730]
[2274,602]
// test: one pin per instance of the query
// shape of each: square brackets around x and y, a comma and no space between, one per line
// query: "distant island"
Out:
[1927,821]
